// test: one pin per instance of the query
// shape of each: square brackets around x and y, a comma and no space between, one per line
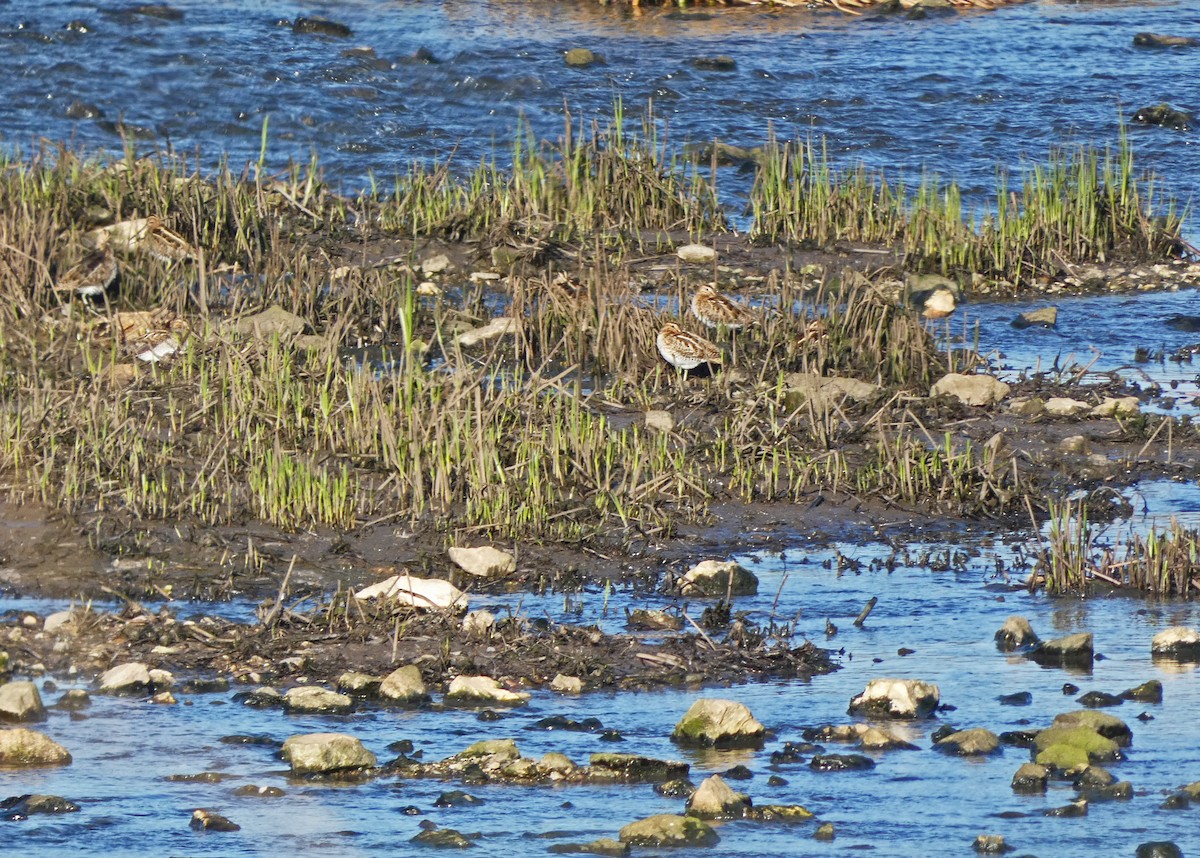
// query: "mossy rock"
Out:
[631,767]
[505,749]
[669,830]
[779,813]
[1063,758]
[1098,748]
[1109,726]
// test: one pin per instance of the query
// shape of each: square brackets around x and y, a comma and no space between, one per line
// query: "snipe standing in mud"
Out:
[94,275]
[684,350]
[717,311]
[161,241]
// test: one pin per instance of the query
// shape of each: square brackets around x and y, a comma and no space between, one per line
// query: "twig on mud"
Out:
[272,616]
[703,634]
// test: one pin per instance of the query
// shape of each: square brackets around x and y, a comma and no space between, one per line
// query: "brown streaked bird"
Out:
[685,350]
[717,311]
[161,241]
[93,275]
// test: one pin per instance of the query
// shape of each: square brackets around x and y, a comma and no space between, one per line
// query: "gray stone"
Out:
[718,723]
[660,421]
[1070,650]
[322,753]
[579,57]
[404,685]
[825,392]
[359,684]
[990,844]
[1062,406]
[1123,406]
[479,624]
[273,321]
[1045,317]
[970,389]
[632,768]
[897,698]
[1179,642]
[669,830]
[1160,40]
[566,684]
[23,806]
[501,326]
[696,254]
[875,739]
[715,799]
[20,702]
[130,678]
[718,578]
[1158,849]
[975,742]
[312,698]
[1030,779]
[482,691]
[484,561]
[21,748]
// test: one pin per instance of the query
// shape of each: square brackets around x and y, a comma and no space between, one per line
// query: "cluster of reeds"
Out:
[1079,206]
[597,180]
[1164,561]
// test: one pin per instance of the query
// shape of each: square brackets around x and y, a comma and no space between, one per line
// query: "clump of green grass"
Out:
[1080,206]
[1164,561]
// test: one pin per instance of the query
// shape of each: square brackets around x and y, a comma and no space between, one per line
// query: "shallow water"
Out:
[125,748]
[957,95]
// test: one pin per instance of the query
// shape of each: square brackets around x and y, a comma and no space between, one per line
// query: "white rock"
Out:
[316,753]
[133,676]
[484,561]
[566,684]
[1176,640]
[970,389]
[404,685]
[428,289]
[498,327]
[435,264]
[483,691]
[715,799]
[427,593]
[21,748]
[897,698]
[20,701]
[1123,406]
[479,623]
[696,253]
[1061,406]
[716,578]
[312,698]
[721,723]
[661,421]
[59,622]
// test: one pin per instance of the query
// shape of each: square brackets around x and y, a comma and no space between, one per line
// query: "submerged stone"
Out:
[718,579]
[1070,650]
[1030,779]
[633,768]
[669,830]
[1016,633]
[20,807]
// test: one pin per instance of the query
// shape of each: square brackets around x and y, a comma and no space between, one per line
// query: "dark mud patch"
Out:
[321,645]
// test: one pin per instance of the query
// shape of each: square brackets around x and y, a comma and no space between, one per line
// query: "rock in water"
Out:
[896,698]
[21,748]
[322,753]
[1016,633]
[20,702]
[715,799]
[404,685]
[719,723]
[482,691]
[204,820]
[1070,650]
[715,578]
[1178,642]
[669,830]
[969,743]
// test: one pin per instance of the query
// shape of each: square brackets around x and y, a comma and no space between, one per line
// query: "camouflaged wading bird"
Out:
[159,240]
[94,275]
[717,311]
[685,350]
